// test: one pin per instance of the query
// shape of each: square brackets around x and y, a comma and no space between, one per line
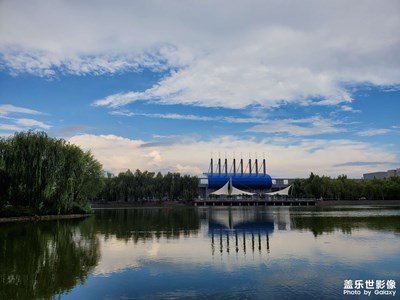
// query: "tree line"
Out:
[148,186]
[343,188]
[44,175]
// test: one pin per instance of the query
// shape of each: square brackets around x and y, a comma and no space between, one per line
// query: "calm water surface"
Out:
[200,253]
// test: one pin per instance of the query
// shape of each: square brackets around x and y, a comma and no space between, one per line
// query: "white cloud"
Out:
[300,127]
[155,157]
[297,127]
[324,157]
[162,116]
[114,152]
[32,123]
[217,81]
[372,132]
[6,109]
[188,169]
[9,127]
[120,99]
[350,109]
[189,117]
[229,55]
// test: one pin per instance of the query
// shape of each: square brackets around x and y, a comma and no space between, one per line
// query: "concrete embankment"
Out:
[42,218]
[138,204]
[357,202]
[251,203]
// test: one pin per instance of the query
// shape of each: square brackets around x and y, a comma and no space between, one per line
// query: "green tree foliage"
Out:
[343,188]
[146,186]
[46,175]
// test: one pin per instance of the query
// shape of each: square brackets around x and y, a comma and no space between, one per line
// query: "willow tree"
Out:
[47,175]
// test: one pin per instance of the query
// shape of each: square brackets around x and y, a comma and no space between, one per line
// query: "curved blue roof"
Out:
[242,182]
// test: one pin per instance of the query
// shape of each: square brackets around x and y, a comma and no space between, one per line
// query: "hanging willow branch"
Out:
[45,174]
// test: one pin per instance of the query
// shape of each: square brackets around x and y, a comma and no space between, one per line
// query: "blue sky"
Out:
[160,85]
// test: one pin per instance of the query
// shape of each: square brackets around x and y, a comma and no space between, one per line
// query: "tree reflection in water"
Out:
[147,223]
[319,225]
[45,259]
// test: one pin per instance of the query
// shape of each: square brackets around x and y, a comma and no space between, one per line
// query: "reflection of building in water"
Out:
[239,241]
[239,231]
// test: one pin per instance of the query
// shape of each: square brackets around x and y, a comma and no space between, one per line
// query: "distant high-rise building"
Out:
[382,175]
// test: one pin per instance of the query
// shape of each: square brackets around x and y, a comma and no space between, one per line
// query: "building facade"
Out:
[382,175]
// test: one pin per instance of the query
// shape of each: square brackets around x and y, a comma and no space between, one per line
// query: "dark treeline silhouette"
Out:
[343,188]
[43,175]
[147,186]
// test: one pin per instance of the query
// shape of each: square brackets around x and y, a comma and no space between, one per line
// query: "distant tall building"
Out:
[393,173]
[382,175]
[375,175]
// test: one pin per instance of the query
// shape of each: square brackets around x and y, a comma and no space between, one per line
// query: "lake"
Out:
[206,253]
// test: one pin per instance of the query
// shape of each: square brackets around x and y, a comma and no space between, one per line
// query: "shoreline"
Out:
[140,204]
[122,205]
[357,202]
[42,218]
[190,203]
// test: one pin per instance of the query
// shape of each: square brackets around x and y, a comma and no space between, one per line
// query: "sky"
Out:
[312,86]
